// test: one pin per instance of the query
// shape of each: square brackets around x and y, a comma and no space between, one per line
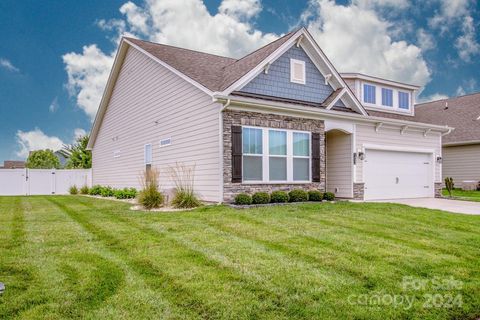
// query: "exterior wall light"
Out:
[361,156]
[439,159]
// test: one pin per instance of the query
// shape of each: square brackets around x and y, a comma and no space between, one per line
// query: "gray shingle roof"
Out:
[213,72]
[462,114]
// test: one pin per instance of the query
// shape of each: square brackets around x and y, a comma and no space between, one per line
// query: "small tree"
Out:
[78,155]
[449,185]
[42,159]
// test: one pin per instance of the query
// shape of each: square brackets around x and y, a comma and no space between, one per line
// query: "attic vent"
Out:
[297,71]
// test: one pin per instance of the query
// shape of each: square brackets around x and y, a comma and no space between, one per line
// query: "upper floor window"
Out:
[403,100]
[369,93]
[297,71]
[387,97]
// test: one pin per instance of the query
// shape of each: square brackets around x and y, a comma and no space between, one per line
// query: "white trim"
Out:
[378,126]
[351,75]
[289,156]
[347,127]
[172,69]
[145,153]
[332,103]
[304,111]
[300,63]
[396,148]
[404,128]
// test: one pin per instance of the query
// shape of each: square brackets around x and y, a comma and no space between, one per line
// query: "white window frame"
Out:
[145,153]
[165,145]
[378,105]
[266,157]
[302,64]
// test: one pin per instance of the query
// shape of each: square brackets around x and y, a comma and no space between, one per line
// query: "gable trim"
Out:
[172,69]
[302,38]
[112,79]
[332,103]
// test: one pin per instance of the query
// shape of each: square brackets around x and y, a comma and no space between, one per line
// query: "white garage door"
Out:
[396,175]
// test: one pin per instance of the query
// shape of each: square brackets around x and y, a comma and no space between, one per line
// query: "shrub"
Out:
[260,198]
[126,193]
[84,190]
[329,196]
[243,199]
[184,195]
[106,191]
[150,197]
[279,197]
[298,195]
[95,190]
[315,195]
[73,189]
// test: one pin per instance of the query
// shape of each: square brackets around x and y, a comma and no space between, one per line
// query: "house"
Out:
[461,148]
[13,164]
[280,118]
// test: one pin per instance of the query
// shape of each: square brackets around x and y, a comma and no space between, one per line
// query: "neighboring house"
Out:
[279,118]
[13,164]
[461,148]
[62,157]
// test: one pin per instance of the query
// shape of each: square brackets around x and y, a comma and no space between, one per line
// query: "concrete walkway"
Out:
[456,206]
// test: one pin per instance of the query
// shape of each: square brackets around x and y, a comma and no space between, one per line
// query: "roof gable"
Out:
[276,82]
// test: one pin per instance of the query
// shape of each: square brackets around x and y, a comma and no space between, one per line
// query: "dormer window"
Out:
[387,97]
[403,100]
[297,71]
[369,93]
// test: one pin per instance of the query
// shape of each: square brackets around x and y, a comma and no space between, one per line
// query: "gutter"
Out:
[308,111]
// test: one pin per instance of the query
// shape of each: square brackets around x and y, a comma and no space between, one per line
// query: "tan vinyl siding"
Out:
[462,163]
[391,137]
[339,164]
[150,103]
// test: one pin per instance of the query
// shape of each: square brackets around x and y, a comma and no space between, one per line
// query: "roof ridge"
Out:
[181,48]
[450,98]
[267,44]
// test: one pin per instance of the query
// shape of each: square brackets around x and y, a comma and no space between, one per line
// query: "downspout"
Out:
[226,105]
[449,131]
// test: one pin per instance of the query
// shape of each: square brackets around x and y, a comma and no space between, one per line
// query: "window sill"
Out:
[274,182]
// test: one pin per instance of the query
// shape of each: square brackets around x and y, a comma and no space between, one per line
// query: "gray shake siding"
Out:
[240,118]
[150,103]
[277,81]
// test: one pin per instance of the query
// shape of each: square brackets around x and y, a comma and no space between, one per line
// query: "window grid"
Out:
[387,97]
[369,93]
[266,156]
[403,100]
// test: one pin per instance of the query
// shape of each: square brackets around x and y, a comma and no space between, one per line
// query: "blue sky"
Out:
[55,55]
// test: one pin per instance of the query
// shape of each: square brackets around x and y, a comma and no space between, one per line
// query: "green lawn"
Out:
[463,194]
[78,257]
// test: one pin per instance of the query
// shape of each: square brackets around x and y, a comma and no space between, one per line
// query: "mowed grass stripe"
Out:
[262,301]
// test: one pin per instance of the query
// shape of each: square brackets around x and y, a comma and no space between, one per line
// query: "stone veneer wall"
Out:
[358,190]
[438,189]
[269,121]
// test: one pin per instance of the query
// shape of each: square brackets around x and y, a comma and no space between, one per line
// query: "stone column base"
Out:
[438,189]
[358,190]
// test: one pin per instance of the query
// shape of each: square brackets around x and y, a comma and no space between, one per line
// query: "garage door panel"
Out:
[395,174]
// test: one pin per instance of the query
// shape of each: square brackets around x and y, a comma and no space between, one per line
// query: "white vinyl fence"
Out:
[15,182]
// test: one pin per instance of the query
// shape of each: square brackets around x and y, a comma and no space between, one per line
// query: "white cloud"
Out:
[450,11]
[87,75]
[53,107]
[467,44]
[78,133]
[36,140]
[242,9]
[390,4]
[425,40]
[7,65]
[433,97]
[468,86]
[357,39]
[183,23]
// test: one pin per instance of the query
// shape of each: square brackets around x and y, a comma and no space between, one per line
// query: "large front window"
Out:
[275,155]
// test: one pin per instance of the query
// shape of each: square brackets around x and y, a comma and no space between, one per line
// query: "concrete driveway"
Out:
[457,206]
